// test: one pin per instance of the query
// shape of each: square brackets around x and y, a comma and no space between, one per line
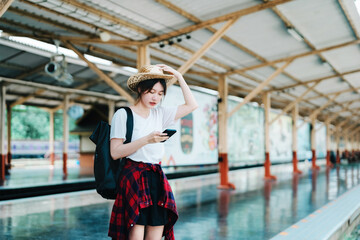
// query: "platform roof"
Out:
[320,38]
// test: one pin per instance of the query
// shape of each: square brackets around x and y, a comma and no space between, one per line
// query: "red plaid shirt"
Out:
[134,194]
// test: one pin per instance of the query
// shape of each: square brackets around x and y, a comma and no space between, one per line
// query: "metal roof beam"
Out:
[351,23]
[317,111]
[258,89]
[315,80]
[292,104]
[108,16]
[61,89]
[310,45]
[355,131]
[101,74]
[25,99]
[213,21]
[226,38]
[55,23]
[332,93]
[198,54]
[333,117]
[73,19]
[346,44]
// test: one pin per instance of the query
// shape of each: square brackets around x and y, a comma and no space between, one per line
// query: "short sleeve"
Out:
[169,114]
[118,124]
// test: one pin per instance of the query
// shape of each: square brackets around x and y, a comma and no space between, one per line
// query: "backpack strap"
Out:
[129,124]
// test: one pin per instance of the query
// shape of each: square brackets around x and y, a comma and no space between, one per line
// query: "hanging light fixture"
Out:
[293,32]
[104,36]
[161,44]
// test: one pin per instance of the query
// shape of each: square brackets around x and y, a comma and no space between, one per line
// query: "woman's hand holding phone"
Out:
[169,133]
[156,137]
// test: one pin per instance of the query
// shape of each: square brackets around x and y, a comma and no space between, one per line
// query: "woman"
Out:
[145,206]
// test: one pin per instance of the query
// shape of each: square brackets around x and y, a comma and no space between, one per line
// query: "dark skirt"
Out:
[153,215]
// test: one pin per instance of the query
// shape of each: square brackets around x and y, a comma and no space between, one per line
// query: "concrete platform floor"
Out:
[257,209]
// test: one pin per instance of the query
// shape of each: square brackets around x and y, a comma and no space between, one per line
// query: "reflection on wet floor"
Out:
[25,173]
[257,209]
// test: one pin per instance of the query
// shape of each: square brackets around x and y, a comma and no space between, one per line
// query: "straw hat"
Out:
[149,72]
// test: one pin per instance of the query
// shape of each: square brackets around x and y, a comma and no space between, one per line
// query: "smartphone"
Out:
[169,132]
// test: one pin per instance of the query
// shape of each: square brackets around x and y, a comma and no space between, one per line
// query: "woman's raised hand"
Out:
[156,137]
[166,68]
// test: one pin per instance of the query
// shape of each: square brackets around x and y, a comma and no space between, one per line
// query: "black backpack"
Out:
[106,170]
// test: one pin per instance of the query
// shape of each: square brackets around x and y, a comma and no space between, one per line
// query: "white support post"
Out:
[313,142]
[111,105]
[267,164]
[223,123]
[143,56]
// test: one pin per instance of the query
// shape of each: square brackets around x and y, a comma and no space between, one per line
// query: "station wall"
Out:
[195,142]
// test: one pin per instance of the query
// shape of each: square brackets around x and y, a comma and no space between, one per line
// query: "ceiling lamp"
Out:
[57,68]
[105,36]
[295,34]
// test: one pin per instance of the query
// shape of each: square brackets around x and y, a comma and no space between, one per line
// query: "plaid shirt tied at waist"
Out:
[134,194]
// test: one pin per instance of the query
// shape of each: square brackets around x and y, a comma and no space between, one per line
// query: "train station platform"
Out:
[257,209]
[36,177]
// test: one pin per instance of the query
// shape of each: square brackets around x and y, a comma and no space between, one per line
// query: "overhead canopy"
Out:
[320,38]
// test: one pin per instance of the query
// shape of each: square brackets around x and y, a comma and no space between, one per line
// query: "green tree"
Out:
[29,122]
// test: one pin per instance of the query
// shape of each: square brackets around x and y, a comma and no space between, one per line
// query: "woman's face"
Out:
[151,98]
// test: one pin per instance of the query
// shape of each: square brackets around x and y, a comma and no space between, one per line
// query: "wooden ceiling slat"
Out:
[101,74]
[226,17]
[108,16]
[346,44]
[4,5]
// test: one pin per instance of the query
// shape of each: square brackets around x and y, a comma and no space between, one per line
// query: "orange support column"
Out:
[65,158]
[295,163]
[51,138]
[328,163]
[338,160]
[328,144]
[267,164]
[313,144]
[2,133]
[8,162]
[338,146]
[223,122]
[295,114]
[2,168]
[66,135]
[346,139]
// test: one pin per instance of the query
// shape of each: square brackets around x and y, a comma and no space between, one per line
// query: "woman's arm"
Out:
[119,150]
[190,103]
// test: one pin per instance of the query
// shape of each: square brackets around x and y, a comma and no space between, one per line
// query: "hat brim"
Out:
[134,80]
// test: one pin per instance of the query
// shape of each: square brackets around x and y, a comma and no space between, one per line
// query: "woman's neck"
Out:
[141,110]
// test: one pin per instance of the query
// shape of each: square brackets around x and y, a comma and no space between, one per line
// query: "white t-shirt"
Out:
[158,120]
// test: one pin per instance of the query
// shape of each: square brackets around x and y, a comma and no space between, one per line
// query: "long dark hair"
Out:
[146,86]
